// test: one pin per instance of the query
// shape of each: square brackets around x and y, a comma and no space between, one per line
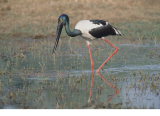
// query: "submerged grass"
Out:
[31,77]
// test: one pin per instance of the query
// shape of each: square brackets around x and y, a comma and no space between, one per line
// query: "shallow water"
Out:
[31,77]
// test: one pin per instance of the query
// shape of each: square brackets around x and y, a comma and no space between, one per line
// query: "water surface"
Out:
[31,77]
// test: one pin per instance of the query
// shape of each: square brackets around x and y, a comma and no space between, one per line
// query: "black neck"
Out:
[72,34]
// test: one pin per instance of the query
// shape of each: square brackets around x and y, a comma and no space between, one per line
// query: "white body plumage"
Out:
[85,26]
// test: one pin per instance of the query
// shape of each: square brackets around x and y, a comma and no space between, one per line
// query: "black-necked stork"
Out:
[89,30]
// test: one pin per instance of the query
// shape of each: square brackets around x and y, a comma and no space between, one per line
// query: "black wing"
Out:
[105,30]
[98,22]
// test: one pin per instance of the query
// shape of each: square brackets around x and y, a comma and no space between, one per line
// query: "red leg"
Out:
[116,49]
[92,78]
[92,63]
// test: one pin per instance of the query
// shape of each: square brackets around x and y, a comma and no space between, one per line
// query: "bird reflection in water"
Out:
[91,103]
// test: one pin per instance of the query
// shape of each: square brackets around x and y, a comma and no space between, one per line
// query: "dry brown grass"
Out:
[32,17]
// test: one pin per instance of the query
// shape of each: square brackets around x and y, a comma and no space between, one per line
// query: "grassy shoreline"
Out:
[38,18]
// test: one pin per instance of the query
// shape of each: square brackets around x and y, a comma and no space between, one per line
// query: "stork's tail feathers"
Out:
[117,32]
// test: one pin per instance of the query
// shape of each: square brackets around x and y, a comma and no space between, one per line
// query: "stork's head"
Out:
[61,21]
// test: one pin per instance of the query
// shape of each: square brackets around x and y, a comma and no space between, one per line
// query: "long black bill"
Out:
[58,33]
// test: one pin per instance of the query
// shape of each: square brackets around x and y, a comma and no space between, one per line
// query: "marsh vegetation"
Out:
[32,77]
